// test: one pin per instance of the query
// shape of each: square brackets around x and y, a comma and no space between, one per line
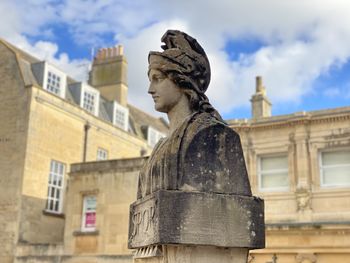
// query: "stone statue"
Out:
[201,153]
[194,188]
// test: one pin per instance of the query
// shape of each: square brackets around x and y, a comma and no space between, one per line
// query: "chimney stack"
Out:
[109,74]
[261,106]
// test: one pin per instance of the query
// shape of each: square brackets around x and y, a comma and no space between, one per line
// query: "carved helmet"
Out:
[183,60]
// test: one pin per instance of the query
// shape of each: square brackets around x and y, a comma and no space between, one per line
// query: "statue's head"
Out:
[185,64]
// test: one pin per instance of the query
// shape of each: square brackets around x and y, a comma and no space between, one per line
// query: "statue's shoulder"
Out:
[204,124]
[212,158]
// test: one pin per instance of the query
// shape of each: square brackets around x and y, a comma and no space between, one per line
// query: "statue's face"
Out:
[165,93]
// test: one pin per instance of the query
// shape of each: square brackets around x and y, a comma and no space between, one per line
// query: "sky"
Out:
[301,48]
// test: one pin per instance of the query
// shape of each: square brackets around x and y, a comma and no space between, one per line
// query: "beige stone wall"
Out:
[292,215]
[48,253]
[302,142]
[56,132]
[114,183]
[13,128]
[305,244]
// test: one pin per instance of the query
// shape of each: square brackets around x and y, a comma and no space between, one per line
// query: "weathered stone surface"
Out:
[196,254]
[202,155]
[175,217]
[201,152]
[194,188]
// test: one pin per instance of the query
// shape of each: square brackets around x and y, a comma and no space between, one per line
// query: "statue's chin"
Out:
[160,109]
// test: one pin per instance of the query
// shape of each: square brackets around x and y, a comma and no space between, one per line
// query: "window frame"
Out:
[83,214]
[259,173]
[86,89]
[50,69]
[50,186]
[118,107]
[100,150]
[89,101]
[321,167]
[157,134]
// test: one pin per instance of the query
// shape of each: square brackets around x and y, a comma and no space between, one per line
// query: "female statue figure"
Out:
[201,153]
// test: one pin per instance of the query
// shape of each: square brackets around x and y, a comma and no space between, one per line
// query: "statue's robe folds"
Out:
[201,155]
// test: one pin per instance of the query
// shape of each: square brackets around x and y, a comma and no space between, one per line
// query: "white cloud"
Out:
[302,39]
[23,18]
[89,20]
[44,50]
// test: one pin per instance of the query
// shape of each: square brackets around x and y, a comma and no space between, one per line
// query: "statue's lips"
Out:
[155,98]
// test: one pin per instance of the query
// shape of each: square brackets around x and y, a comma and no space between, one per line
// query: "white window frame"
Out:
[86,89]
[102,154]
[158,135]
[321,167]
[120,108]
[260,173]
[49,69]
[54,188]
[84,228]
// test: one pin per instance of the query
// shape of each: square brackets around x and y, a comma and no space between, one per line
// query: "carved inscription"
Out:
[143,221]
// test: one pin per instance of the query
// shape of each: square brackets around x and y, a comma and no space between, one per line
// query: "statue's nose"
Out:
[151,89]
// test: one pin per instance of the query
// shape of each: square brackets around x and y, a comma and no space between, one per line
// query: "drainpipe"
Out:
[86,130]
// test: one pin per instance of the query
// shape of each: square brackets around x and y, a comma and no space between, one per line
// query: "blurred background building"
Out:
[48,121]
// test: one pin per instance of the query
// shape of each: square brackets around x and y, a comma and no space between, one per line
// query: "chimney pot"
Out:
[259,86]
[261,106]
[120,50]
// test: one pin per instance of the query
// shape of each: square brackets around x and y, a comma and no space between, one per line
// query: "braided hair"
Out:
[185,63]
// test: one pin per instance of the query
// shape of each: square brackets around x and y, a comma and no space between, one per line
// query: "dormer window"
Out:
[121,116]
[153,136]
[89,98]
[50,78]
[86,96]
[53,83]
[89,101]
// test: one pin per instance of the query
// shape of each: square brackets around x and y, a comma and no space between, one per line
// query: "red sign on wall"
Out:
[90,219]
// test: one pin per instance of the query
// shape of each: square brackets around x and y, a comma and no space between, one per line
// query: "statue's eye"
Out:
[157,78]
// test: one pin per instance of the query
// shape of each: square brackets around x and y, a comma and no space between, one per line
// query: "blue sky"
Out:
[300,48]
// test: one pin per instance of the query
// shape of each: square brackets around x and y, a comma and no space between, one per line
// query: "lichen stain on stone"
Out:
[187,187]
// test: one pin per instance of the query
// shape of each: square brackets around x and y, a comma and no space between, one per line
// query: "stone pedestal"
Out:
[175,226]
[194,254]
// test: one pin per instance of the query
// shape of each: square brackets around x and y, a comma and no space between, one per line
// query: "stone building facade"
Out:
[112,185]
[48,121]
[300,165]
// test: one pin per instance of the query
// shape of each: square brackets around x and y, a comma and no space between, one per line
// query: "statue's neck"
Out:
[178,114]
